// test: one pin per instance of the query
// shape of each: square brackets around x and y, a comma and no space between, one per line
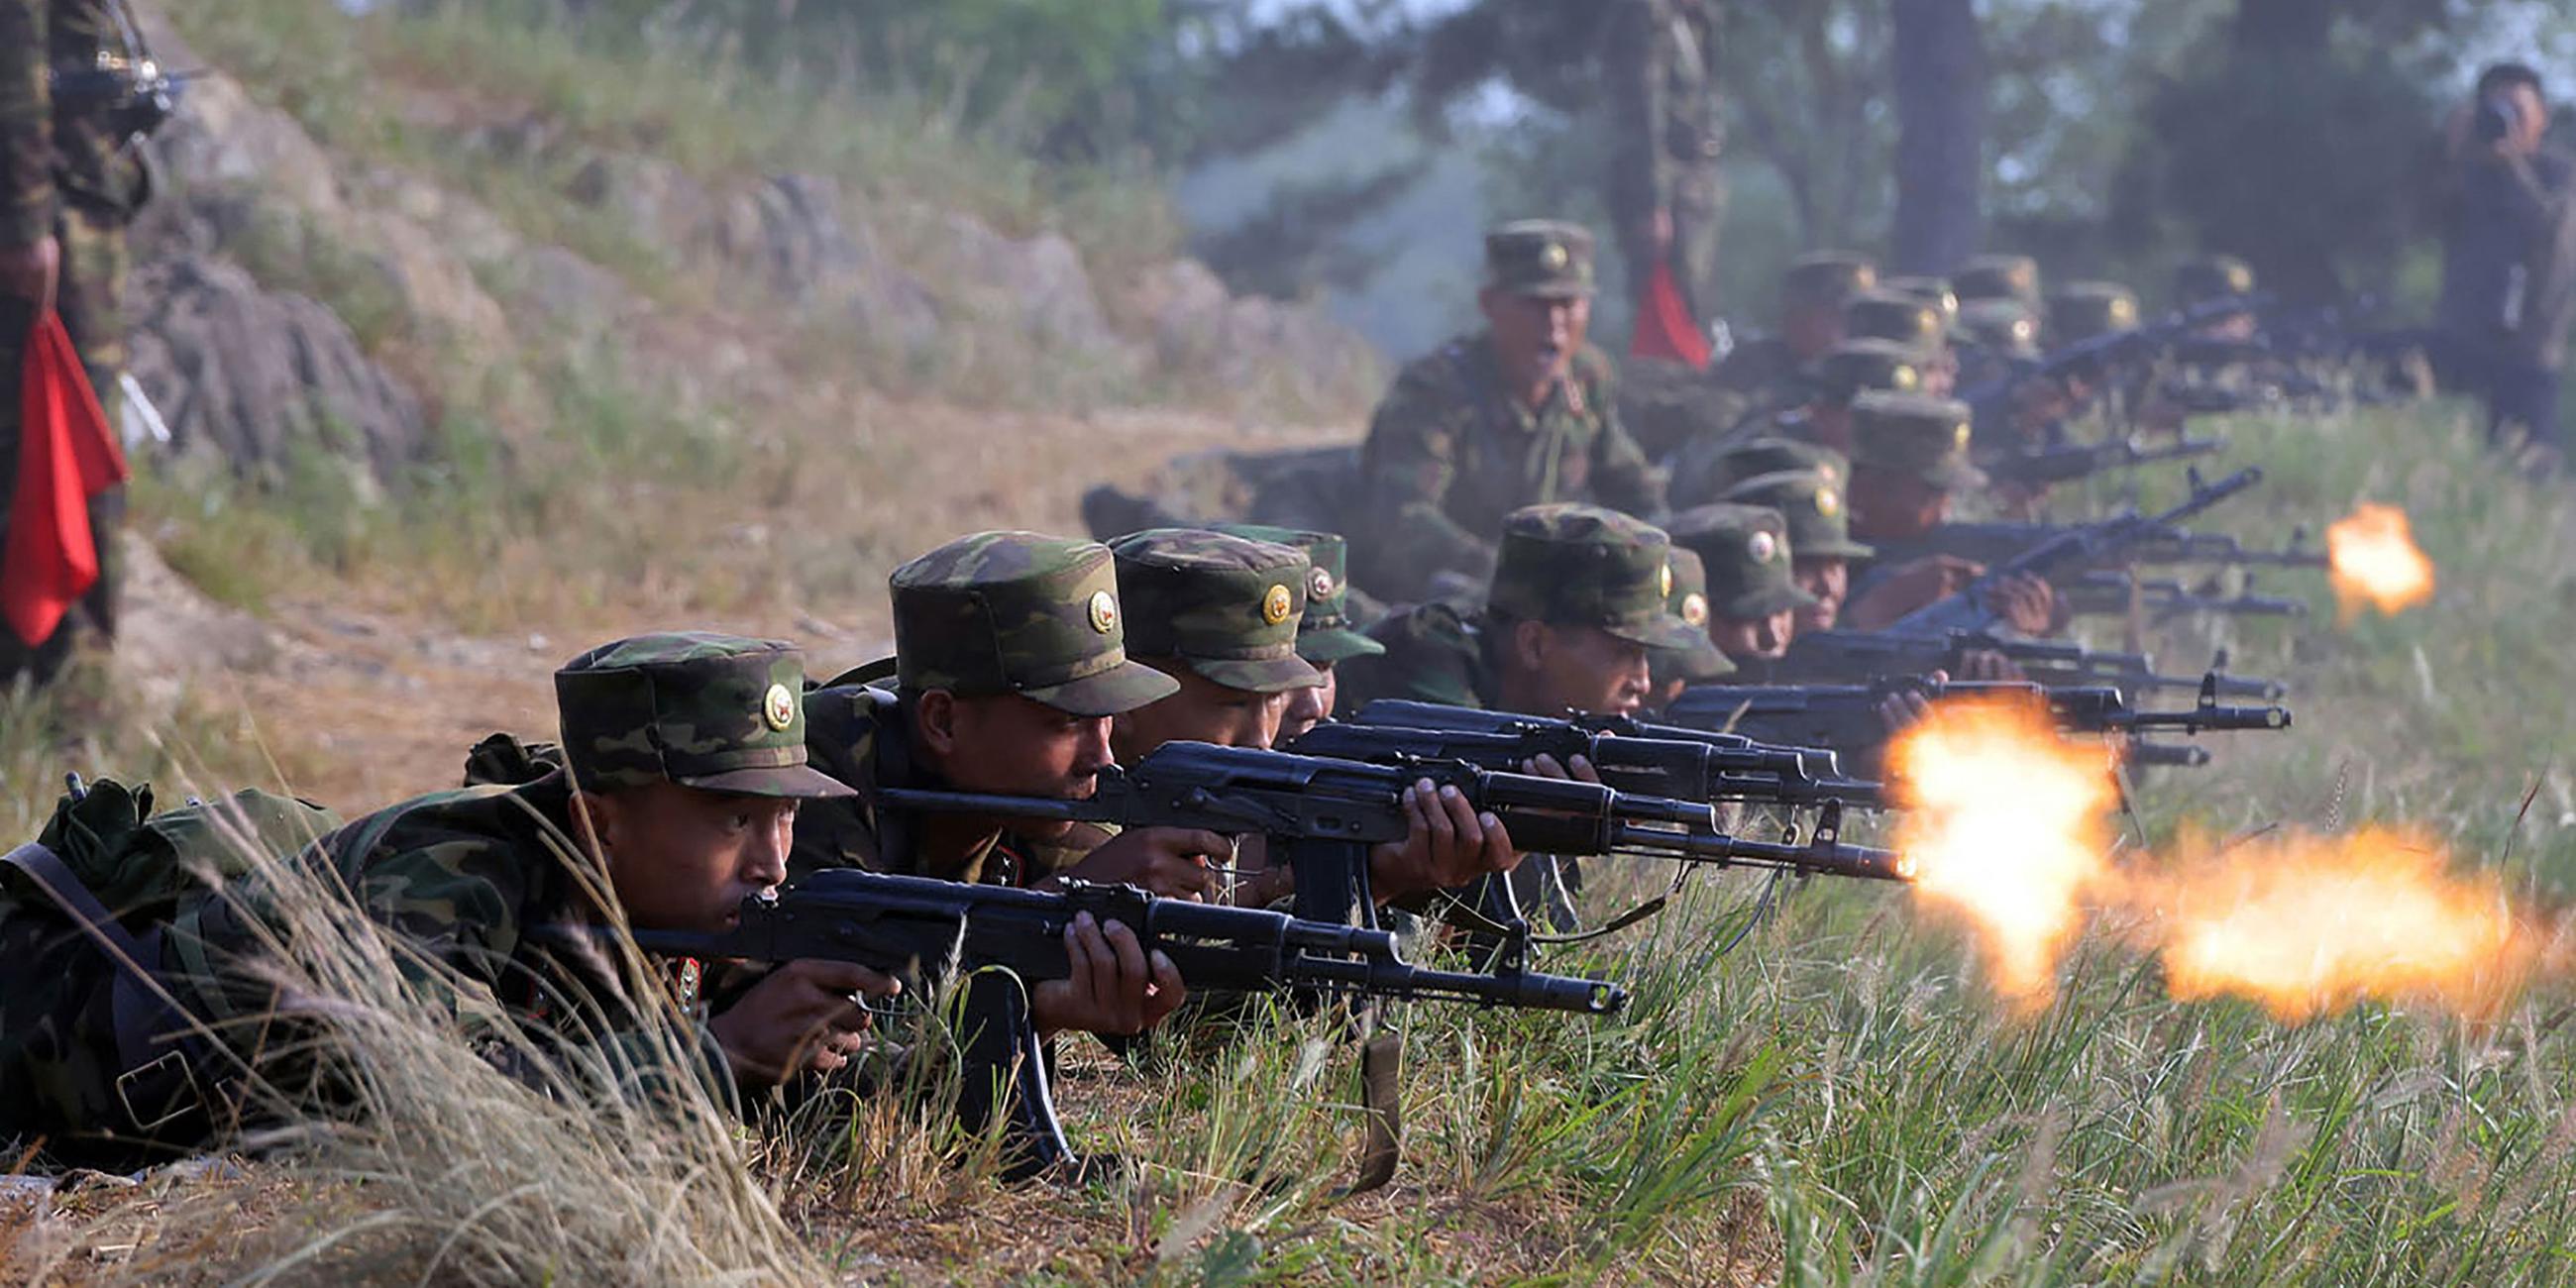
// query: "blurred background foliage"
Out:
[1349,149]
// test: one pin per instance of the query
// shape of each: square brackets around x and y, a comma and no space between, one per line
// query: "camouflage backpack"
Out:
[107,876]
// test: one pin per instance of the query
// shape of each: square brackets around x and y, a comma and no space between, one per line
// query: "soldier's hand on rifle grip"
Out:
[1111,987]
[32,271]
[1912,585]
[1447,845]
[1986,666]
[1899,710]
[2026,602]
[1173,862]
[1577,770]
[800,1016]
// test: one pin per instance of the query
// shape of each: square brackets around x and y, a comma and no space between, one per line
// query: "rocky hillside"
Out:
[462,370]
[264,240]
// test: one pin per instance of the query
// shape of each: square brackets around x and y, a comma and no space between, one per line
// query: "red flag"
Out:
[1665,328]
[65,457]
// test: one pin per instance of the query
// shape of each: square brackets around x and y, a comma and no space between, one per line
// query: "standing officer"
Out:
[1521,413]
[71,179]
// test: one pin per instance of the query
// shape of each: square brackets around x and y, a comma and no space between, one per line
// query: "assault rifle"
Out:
[2076,548]
[2099,594]
[921,930]
[1323,814]
[1630,754]
[1840,656]
[2115,348]
[1993,543]
[1846,716]
[2067,462]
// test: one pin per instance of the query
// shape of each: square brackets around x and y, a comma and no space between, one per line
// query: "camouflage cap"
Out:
[1916,435]
[1758,456]
[1017,612]
[2204,278]
[1542,257]
[2083,310]
[2002,325]
[1934,291]
[1826,278]
[1325,632]
[1581,565]
[1897,318]
[717,712]
[1224,606]
[1819,519]
[1703,660]
[1997,277]
[1746,548]
[1871,363]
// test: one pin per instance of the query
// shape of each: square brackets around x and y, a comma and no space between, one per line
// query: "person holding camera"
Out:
[2508,216]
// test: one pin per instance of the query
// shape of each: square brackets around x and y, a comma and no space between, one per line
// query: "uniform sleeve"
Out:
[26,125]
[1408,466]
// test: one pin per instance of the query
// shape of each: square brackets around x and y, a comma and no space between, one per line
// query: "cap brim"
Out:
[1956,476]
[1118,690]
[1707,662]
[801,782]
[1765,602]
[1666,632]
[1845,549]
[1330,646]
[1549,290]
[1257,675]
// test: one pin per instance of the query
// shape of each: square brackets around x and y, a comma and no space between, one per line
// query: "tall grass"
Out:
[1836,1101]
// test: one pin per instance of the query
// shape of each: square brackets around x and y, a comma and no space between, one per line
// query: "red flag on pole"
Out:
[65,456]
[1665,328]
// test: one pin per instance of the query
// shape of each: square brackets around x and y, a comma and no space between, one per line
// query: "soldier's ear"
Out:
[596,820]
[934,722]
[1531,641]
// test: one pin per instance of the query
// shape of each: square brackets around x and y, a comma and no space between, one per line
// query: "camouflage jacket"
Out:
[1433,654]
[1450,452]
[50,156]
[473,880]
[856,734]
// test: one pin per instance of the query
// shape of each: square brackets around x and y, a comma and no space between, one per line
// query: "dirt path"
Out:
[362,700]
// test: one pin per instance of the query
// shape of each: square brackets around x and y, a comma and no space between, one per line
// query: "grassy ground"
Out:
[1838,1100]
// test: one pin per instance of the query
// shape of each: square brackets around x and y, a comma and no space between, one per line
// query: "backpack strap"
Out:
[156,1089]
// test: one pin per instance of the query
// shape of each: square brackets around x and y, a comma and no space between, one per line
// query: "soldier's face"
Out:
[1830,423]
[1749,638]
[1584,668]
[1894,506]
[1202,711]
[1828,580]
[1010,745]
[1308,708]
[681,858]
[1810,329]
[1941,375]
[1536,337]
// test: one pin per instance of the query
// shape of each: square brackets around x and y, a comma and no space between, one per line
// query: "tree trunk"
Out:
[1940,66]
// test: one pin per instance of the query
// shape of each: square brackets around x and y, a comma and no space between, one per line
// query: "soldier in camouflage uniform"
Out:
[1579,596]
[1997,277]
[1753,599]
[685,764]
[1667,193]
[1820,540]
[69,185]
[2204,280]
[1916,325]
[1812,291]
[1219,615]
[1518,414]
[1850,369]
[1327,633]
[1911,465]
